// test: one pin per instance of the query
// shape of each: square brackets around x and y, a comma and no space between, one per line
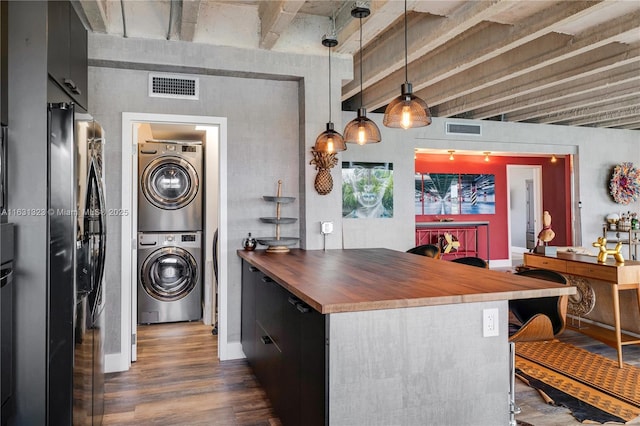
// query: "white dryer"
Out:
[169,277]
[170,186]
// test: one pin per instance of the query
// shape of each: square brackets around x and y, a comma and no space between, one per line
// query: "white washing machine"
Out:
[170,186]
[169,277]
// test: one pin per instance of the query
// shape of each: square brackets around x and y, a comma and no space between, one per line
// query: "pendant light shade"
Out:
[407,110]
[330,141]
[361,130]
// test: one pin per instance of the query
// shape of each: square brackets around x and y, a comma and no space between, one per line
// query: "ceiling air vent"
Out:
[173,86]
[464,129]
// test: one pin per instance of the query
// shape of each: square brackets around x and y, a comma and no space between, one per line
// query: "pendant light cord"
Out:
[406,67]
[361,92]
[329,84]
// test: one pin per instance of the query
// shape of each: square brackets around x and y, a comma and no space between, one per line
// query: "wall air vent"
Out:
[464,129]
[174,86]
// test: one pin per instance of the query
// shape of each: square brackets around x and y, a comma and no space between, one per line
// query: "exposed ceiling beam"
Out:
[189,19]
[96,13]
[536,104]
[581,114]
[275,17]
[597,61]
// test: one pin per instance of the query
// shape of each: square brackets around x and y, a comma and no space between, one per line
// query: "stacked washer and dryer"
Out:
[170,227]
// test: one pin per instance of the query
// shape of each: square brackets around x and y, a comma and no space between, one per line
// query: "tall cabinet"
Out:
[42,36]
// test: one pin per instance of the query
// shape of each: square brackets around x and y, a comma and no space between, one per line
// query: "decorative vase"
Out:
[249,243]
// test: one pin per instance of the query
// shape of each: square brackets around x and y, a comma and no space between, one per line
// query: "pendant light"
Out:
[407,110]
[330,141]
[361,130]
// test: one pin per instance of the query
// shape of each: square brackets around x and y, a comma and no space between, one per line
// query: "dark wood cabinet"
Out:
[288,350]
[67,51]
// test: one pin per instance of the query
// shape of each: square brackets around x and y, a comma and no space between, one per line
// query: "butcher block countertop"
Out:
[352,280]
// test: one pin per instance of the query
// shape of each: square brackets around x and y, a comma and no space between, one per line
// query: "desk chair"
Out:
[472,260]
[429,250]
[538,320]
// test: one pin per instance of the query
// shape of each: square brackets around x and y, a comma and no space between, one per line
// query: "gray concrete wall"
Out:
[596,152]
[235,77]
[276,104]
[418,366]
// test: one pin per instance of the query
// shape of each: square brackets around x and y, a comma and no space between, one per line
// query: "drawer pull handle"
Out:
[266,340]
[293,300]
[302,308]
[266,279]
[253,269]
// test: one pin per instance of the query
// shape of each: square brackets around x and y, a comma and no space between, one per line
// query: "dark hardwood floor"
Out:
[178,380]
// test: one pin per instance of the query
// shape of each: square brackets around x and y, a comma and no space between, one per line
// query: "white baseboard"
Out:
[114,363]
[232,350]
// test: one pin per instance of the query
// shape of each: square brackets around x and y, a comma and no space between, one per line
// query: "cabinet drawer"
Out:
[599,272]
[557,265]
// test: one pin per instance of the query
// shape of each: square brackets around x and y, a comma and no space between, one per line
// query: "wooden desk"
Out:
[625,276]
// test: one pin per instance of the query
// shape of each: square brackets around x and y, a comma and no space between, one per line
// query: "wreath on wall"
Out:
[624,186]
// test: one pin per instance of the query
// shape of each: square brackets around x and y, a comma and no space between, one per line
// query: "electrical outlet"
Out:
[490,322]
[326,227]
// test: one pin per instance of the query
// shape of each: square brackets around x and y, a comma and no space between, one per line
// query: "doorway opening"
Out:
[525,207]
[137,127]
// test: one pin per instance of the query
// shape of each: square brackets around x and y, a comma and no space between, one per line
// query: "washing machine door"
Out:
[169,274]
[169,183]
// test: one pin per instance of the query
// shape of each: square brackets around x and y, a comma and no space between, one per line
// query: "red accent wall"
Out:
[556,194]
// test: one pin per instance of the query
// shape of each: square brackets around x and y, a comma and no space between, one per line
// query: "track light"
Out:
[486,156]
[553,158]
[451,151]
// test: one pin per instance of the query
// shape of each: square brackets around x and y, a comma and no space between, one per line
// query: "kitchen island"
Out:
[379,337]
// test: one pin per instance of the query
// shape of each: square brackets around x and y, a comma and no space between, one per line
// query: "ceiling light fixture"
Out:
[486,156]
[330,141]
[451,151]
[361,130]
[407,110]
[553,158]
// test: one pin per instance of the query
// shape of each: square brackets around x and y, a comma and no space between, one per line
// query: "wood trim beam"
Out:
[275,17]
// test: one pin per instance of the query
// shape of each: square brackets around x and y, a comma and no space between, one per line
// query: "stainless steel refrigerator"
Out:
[88,373]
[77,219]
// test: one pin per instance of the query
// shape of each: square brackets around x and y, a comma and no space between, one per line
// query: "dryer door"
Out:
[169,183]
[169,274]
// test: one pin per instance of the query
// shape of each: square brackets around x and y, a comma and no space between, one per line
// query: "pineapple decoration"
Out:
[323,161]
